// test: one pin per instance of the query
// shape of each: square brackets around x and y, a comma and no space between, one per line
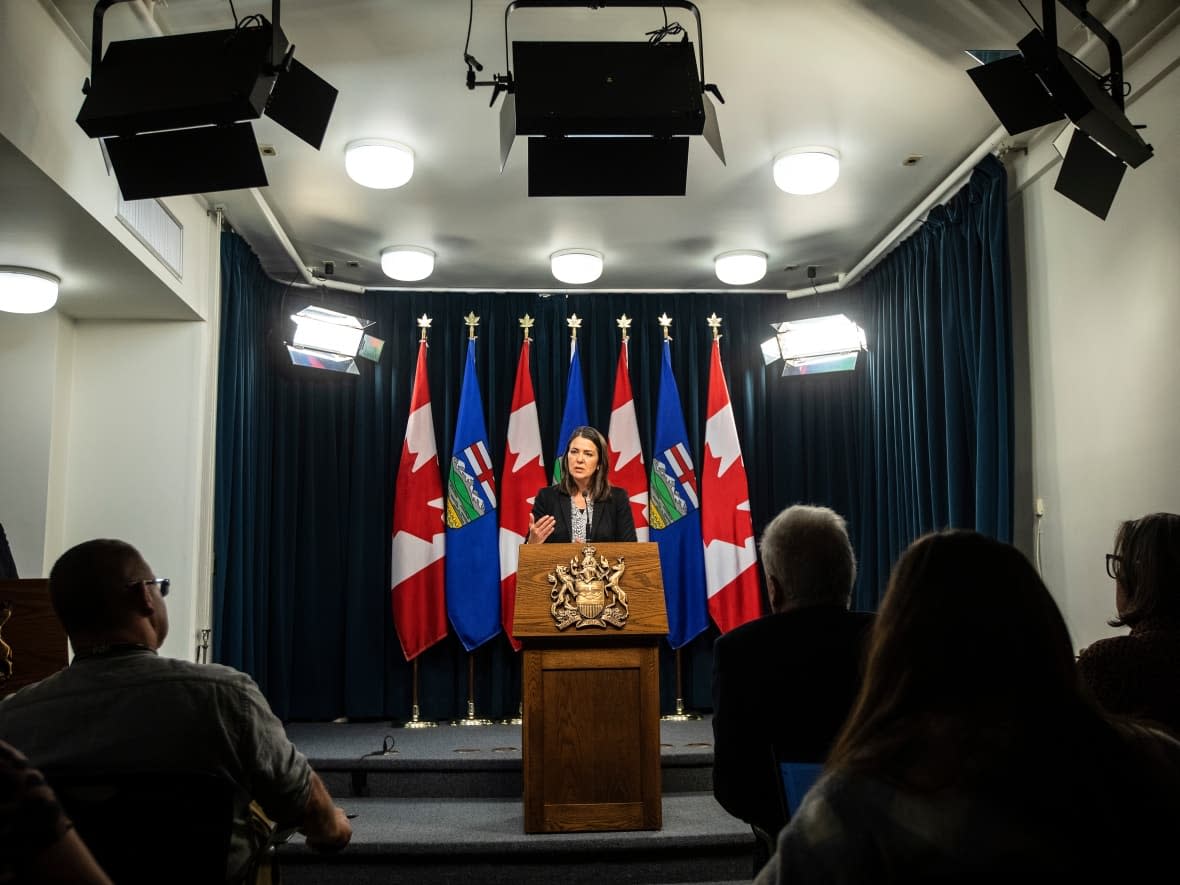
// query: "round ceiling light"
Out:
[740,267]
[27,291]
[407,263]
[576,266]
[807,170]
[378,163]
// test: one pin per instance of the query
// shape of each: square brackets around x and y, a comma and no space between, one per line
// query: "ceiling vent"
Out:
[157,228]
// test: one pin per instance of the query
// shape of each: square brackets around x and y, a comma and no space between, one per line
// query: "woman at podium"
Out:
[582,505]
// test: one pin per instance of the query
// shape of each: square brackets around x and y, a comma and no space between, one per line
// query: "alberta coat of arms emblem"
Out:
[588,592]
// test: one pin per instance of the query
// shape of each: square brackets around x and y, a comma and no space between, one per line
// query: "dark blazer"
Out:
[612,518]
[782,686]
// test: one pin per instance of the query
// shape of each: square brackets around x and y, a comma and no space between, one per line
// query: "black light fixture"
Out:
[607,118]
[172,112]
[1044,83]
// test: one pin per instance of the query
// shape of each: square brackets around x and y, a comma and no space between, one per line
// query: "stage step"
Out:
[467,762]
[436,841]
[444,805]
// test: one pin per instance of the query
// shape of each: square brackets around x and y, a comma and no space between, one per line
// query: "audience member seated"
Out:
[973,751]
[119,706]
[787,681]
[37,841]
[1139,674]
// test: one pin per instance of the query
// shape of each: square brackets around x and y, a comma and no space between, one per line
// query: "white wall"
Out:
[1104,375]
[30,354]
[136,445]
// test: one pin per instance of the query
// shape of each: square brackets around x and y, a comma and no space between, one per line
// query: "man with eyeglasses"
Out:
[119,706]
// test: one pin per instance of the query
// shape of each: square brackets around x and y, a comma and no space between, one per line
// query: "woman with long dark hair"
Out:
[582,505]
[972,749]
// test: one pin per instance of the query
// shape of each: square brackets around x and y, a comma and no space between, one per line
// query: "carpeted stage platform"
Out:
[445,806]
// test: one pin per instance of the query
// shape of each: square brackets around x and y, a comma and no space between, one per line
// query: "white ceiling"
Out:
[880,80]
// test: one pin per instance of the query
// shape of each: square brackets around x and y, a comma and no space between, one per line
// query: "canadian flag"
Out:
[626,456]
[524,475]
[419,537]
[731,570]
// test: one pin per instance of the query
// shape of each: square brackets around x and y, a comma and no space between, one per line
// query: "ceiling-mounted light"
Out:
[378,163]
[328,339]
[1043,83]
[807,170]
[740,267]
[27,291]
[816,345]
[173,112]
[576,266]
[407,263]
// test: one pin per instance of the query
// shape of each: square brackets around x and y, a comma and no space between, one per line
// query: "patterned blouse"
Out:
[580,521]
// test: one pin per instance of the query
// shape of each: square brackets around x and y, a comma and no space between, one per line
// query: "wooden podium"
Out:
[591,688]
[33,642]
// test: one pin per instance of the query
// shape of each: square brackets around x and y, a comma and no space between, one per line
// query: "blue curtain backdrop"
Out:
[918,437]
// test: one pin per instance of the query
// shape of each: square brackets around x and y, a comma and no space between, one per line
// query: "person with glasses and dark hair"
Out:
[1138,674]
[121,707]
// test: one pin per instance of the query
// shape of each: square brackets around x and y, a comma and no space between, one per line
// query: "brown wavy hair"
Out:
[968,647]
[599,489]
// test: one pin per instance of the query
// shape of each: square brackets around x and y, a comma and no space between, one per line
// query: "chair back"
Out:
[795,779]
[151,827]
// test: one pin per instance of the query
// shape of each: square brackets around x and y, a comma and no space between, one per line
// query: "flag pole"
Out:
[681,714]
[471,718]
[416,720]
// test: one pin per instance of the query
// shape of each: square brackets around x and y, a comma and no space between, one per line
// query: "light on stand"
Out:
[814,346]
[327,339]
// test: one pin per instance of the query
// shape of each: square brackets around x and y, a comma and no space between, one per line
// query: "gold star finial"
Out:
[472,321]
[665,322]
[714,322]
[423,324]
[526,323]
[575,323]
[624,323]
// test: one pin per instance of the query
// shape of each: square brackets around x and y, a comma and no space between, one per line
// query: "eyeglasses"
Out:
[164,584]
[1114,565]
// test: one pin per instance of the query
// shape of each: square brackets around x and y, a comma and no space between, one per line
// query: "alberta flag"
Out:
[731,563]
[675,516]
[626,456]
[473,568]
[574,415]
[524,474]
[419,537]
